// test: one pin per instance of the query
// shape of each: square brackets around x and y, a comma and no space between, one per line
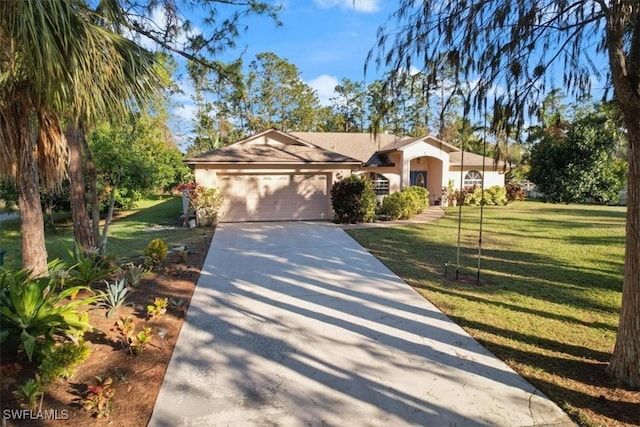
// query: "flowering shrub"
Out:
[205,201]
[186,186]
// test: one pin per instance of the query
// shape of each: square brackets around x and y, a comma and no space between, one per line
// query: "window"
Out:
[380,184]
[472,179]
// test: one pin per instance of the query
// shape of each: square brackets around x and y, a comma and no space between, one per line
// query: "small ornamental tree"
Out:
[353,200]
[206,203]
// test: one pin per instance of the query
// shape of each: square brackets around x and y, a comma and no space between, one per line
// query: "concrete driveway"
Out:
[295,324]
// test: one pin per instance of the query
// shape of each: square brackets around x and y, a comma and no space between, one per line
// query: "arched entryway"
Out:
[427,172]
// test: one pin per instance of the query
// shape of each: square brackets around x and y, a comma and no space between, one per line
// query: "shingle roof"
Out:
[295,150]
[360,146]
[473,160]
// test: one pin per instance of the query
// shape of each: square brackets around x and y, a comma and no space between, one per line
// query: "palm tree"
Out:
[56,64]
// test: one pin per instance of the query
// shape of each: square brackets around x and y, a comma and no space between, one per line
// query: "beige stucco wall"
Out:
[207,176]
[491,177]
[432,160]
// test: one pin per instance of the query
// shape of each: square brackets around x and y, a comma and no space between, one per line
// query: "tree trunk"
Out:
[34,251]
[82,231]
[49,206]
[625,361]
[107,222]
[92,196]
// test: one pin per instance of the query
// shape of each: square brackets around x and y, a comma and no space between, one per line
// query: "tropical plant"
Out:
[70,69]
[31,311]
[114,296]
[126,329]
[156,251]
[30,392]
[158,308]
[353,200]
[99,397]
[88,267]
[133,274]
[62,360]
[133,343]
[142,339]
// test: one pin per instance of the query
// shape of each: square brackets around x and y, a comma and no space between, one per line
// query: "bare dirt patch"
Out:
[136,378]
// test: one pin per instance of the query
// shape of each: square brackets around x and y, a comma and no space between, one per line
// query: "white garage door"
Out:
[274,197]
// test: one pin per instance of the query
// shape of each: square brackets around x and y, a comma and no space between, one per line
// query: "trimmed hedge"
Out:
[353,200]
[405,204]
[493,196]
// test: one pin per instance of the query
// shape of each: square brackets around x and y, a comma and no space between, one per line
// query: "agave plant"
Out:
[114,296]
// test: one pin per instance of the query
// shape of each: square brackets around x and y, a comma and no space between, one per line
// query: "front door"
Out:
[418,178]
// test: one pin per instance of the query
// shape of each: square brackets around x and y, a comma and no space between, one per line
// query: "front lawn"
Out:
[129,233]
[548,297]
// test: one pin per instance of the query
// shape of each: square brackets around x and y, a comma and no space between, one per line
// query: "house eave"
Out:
[210,163]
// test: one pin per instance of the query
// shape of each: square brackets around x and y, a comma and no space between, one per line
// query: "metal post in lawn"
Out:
[464,122]
[484,158]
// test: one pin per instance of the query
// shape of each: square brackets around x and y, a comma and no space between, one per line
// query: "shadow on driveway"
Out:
[296,324]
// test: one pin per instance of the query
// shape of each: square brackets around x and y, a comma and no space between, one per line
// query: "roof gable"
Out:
[271,146]
[405,143]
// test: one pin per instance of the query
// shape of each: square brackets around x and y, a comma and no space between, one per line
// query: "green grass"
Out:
[129,233]
[548,298]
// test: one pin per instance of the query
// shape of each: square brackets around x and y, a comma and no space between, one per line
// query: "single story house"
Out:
[275,175]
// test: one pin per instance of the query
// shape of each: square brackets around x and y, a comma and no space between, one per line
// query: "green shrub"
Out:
[472,197]
[496,195]
[405,204]
[30,392]
[61,361]
[35,314]
[133,274]
[353,200]
[394,207]
[156,251]
[88,268]
[421,199]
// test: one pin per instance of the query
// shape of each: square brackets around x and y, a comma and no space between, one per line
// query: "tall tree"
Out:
[278,97]
[57,64]
[522,46]
[584,161]
[348,105]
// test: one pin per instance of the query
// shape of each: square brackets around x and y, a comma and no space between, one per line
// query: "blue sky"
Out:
[326,39]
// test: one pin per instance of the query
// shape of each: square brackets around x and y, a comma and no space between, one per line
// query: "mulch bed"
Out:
[136,378]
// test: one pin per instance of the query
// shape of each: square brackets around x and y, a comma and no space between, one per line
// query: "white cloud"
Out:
[362,6]
[325,86]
